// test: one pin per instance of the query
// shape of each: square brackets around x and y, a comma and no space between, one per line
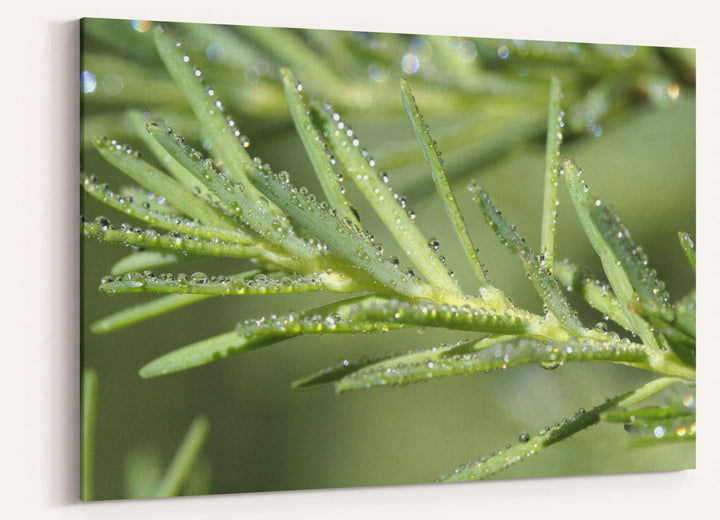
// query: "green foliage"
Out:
[224,203]
[144,473]
[89,419]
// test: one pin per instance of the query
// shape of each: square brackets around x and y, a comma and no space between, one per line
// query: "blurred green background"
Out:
[630,126]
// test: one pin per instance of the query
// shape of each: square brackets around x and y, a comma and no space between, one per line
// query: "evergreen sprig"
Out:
[224,203]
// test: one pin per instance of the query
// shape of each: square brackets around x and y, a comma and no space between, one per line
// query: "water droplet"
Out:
[88,82]
[103,222]
[550,365]
[601,326]
[198,277]
[410,63]
[141,25]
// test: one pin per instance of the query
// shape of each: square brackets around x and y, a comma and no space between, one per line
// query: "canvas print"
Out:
[321,259]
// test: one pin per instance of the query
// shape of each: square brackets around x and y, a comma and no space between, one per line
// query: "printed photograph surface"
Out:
[326,259]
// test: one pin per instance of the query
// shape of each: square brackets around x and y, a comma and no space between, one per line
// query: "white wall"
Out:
[39,276]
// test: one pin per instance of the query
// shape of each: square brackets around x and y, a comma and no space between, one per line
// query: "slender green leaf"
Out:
[669,328]
[143,470]
[292,53]
[491,356]
[139,122]
[342,51]
[648,390]
[613,266]
[645,414]
[199,482]
[466,317]
[315,147]
[424,355]
[237,52]
[199,353]
[552,166]
[633,260]
[155,214]
[341,236]
[672,331]
[362,314]
[340,317]
[545,284]
[228,142]
[651,432]
[262,99]
[442,186]
[159,306]
[89,421]
[473,145]
[335,372]
[251,282]
[148,200]
[685,314]
[451,70]
[141,261]
[273,228]
[126,235]
[532,445]
[127,161]
[115,123]
[528,446]
[184,459]
[144,311]
[596,292]
[687,242]
[389,206]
